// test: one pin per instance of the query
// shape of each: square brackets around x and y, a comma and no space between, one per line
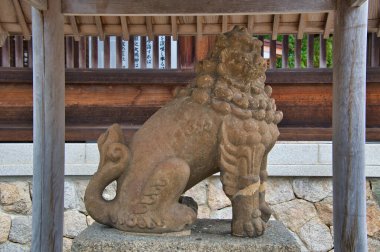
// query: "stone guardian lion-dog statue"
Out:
[223,121]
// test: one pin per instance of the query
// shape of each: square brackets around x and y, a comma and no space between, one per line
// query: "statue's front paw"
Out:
[251,226]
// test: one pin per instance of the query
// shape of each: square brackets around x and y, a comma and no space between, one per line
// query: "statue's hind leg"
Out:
[157,209]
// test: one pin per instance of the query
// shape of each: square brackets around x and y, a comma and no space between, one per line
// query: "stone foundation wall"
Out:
[303,204]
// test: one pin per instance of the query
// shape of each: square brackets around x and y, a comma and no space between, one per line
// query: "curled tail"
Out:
[114,157]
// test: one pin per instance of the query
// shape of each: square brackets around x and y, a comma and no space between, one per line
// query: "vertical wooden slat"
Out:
[131,52]
[187,52]
[5,54]
[143,52]
[261,38]
[375,50]
[322,52]
[285,51]
[94,52]
[310,50]
[82,52]
[272,53]
[298,50]
[69,52]
[48,128]
[156,56]
[168,45]
[201,48]
[19,51]
[107,54]
[30,53]
[76,53]
[349,98]
[119,52]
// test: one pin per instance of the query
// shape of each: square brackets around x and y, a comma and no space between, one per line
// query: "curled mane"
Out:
[232,79]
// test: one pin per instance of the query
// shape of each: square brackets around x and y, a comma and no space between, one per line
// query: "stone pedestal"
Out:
[206,235]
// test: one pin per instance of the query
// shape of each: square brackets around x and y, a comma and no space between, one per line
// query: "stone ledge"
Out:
[207,235]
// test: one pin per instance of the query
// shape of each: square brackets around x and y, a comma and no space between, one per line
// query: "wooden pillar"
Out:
[310,50]
[131,52]
[261,38]
[168,49]
[69,52]
[119,52]
[201,48]
[322,52]
[349,96]
[82,52]
[107,52]
[30,54]
[48,127]
[272,53]
[156,52]
[143,52]
[94,52]
[375,50]
[5,54]
[186,50]
[298,52]
[285,51]
[19,51]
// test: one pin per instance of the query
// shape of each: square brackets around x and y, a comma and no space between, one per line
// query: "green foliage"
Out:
[292,51]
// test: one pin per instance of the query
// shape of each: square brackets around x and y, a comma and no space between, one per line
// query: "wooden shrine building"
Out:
[53,91]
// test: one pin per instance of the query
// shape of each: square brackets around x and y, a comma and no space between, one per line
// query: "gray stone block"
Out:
[207,235]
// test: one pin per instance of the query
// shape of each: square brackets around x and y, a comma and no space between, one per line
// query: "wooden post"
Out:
[82,52]
[261,38]
[310,50]
[94,52]
[186,45]
[5,54]
[48,127]
[119,52]
[30,54]
[69,52]
[107,52]
[285,51]
[272,53]
[19,51]
[298,50]
[156,52]
[322,52]
[168,49]
[143,52]
[375,50]
[349,98]
[131,52]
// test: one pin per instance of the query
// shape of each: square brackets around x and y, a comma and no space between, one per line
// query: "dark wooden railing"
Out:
[83,52]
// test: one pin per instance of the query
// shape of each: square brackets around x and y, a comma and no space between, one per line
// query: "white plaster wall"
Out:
[286,159]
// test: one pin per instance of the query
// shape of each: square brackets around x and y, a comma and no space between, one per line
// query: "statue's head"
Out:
[234,72]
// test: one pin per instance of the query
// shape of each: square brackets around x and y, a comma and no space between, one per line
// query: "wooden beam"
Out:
[272,54]
[124,27]
[21,19]
[374,50]
[19,51]
[99,26]
[250,23]
[174,28]
[107,52]
[74,27]
[349,99]
[3,36]
[5,53]
[94,52]
[149,28]
[131,52]
[357,3]
[69,52]
[38,4]
[48,128]
[310,51]
[156,52]
[83,52]
[276,24]
[328,25]
[298,52]
[142,52]
[224,23]
[168,50]
[301,25]
[193,8]
[199,27]
[285,51]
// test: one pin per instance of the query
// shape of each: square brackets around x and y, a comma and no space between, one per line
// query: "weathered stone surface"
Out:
[373,245]
[21,229]
[373,219]
[294,214]
[207,235]
[70,195]
[368,189]
[198,193]
[89,220]
[375,184]
[312,189]
[13,247]
[15,197]
[203,212]
[67,243]
[300,243]
[74,223]
[217,199]
[279,190]
[5,226]
[316,236]
[109,192]
[325,210]
[225,120]
[225,213]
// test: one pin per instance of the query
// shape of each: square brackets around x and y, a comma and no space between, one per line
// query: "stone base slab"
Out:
[206,235]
